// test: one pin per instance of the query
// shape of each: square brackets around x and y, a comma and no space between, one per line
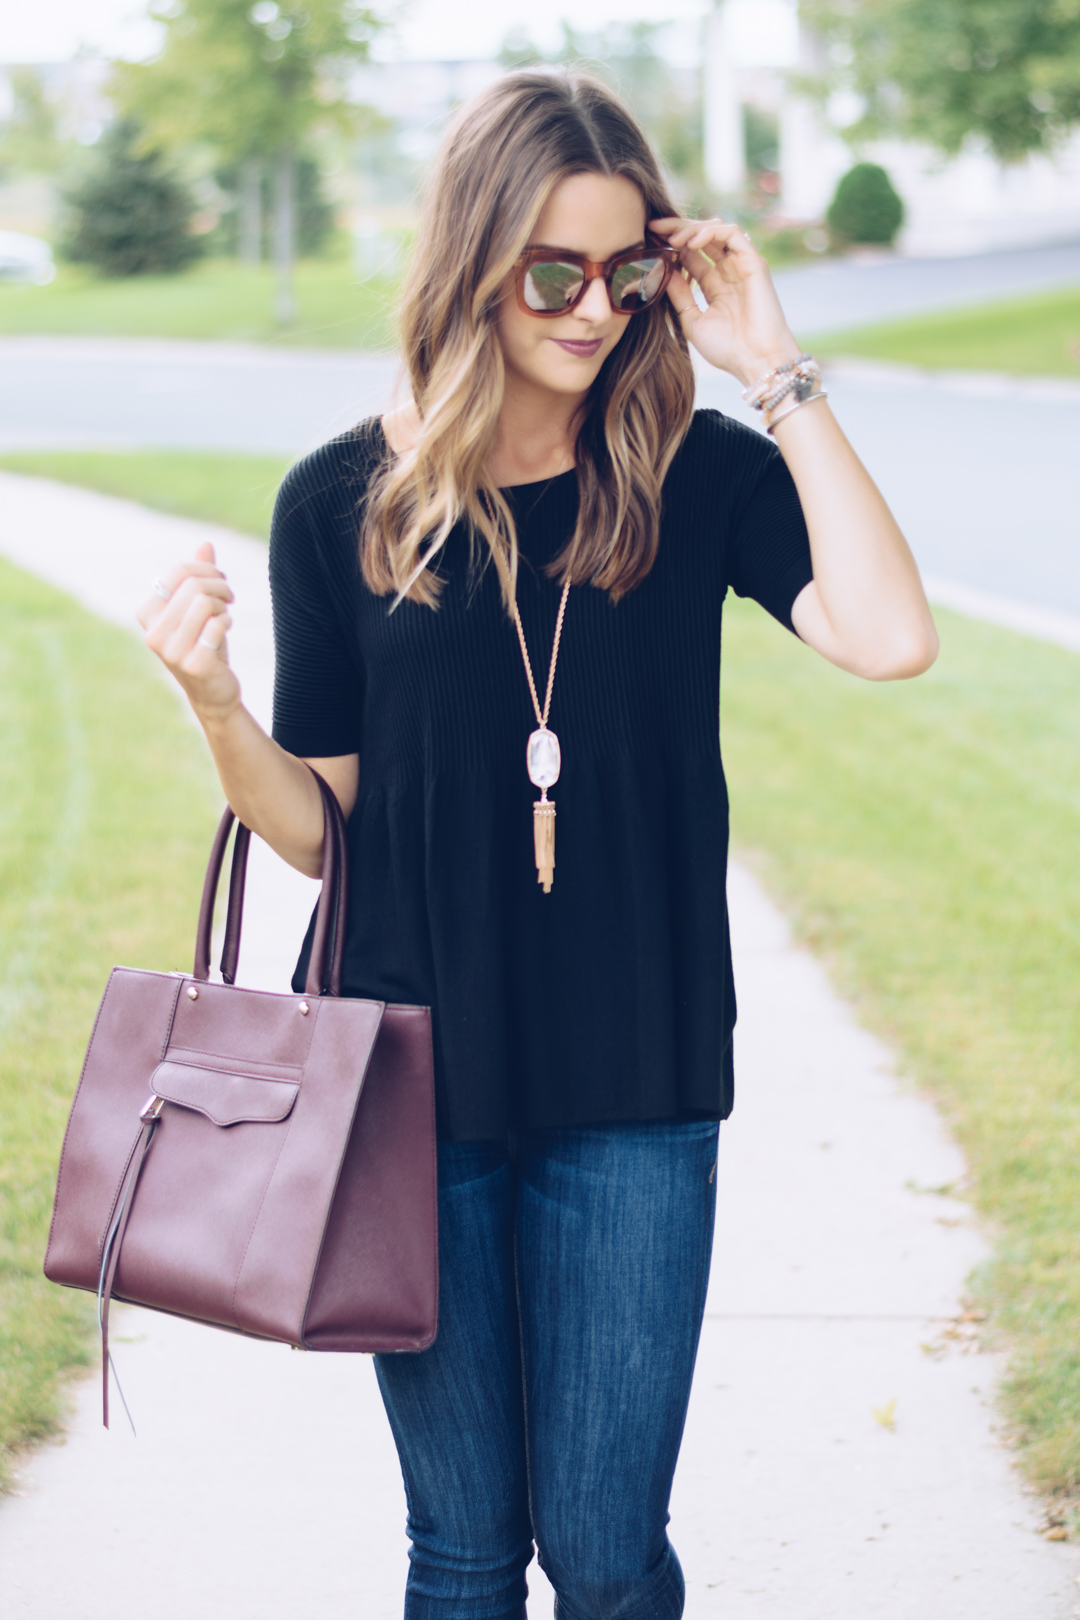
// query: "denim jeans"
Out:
[573,1269]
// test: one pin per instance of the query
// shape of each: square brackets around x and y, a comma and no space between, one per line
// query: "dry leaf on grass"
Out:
[886,1415]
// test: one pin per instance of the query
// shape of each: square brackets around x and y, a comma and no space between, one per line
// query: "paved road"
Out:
[984,477]
[264,1486]
[838,293]
[985,480]
[128,394]
[243,397]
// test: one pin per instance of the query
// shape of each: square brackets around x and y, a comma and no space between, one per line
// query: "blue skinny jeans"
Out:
[573,1269]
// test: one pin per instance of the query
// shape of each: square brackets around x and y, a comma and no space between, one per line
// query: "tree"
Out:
[314,210]
[253,81]
[130,216]
[30,141]
[241,226]
[943,70]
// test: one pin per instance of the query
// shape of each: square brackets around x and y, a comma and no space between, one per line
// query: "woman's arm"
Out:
[271,791]
[865,608]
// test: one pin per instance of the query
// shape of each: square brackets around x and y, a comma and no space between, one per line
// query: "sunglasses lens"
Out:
[550,287]
[637,284]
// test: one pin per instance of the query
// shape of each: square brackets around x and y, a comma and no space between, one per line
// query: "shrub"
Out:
[866,207]
[129,215]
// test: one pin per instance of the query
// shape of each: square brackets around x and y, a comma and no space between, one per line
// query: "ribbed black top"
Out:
[610,998]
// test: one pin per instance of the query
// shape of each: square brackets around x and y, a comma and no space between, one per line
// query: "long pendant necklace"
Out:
[543,756]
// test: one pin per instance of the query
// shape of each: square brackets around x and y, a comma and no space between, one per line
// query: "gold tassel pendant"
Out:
[543,756]
[544,841]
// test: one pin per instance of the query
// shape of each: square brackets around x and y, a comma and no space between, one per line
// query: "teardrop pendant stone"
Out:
[543,758]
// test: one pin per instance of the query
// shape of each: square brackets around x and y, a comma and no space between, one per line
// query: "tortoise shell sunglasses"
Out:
[553,281]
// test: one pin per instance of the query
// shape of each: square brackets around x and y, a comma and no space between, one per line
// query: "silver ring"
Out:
[160,588]
[214,646]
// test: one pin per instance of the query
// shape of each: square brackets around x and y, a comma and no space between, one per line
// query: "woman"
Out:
[544,532]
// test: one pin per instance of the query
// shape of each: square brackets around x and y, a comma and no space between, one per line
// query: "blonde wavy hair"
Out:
[504,154]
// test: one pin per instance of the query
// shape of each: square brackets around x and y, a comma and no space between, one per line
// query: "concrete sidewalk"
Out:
[840,1460]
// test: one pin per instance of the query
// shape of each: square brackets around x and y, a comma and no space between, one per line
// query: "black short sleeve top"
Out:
[610,998]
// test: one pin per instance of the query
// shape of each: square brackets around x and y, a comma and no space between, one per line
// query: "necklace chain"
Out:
[542,715]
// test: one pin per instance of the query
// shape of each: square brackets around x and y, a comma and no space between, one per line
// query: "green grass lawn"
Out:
[1028,336]
[107,807]
[923,835]
[218,298]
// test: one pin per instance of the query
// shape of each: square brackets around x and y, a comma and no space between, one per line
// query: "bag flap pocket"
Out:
[225,1099]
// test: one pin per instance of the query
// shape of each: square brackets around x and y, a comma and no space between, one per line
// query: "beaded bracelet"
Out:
[794,405]
[798,382]
[797,377]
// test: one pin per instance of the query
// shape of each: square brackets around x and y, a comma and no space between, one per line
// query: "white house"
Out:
[964,205]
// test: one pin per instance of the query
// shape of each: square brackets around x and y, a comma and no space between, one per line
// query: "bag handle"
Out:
[328,940]
[329,937]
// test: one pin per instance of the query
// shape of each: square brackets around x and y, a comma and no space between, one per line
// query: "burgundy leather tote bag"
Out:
[263,1163]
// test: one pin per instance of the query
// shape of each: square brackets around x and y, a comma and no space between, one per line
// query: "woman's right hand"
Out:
[187,630]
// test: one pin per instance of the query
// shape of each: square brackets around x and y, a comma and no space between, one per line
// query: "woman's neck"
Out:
[536,434]
[534,439]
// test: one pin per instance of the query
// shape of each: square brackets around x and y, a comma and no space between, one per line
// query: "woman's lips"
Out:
[585,349]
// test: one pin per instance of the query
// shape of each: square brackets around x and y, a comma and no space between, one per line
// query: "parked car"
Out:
[25,258]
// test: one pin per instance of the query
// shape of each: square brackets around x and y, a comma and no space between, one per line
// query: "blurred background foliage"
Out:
[942,71]
[129,215]
[866,207]
[252,82]
[253,128]
[627,56]
[30,138]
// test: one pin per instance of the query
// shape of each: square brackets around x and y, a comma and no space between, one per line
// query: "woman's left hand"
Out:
[742,329]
